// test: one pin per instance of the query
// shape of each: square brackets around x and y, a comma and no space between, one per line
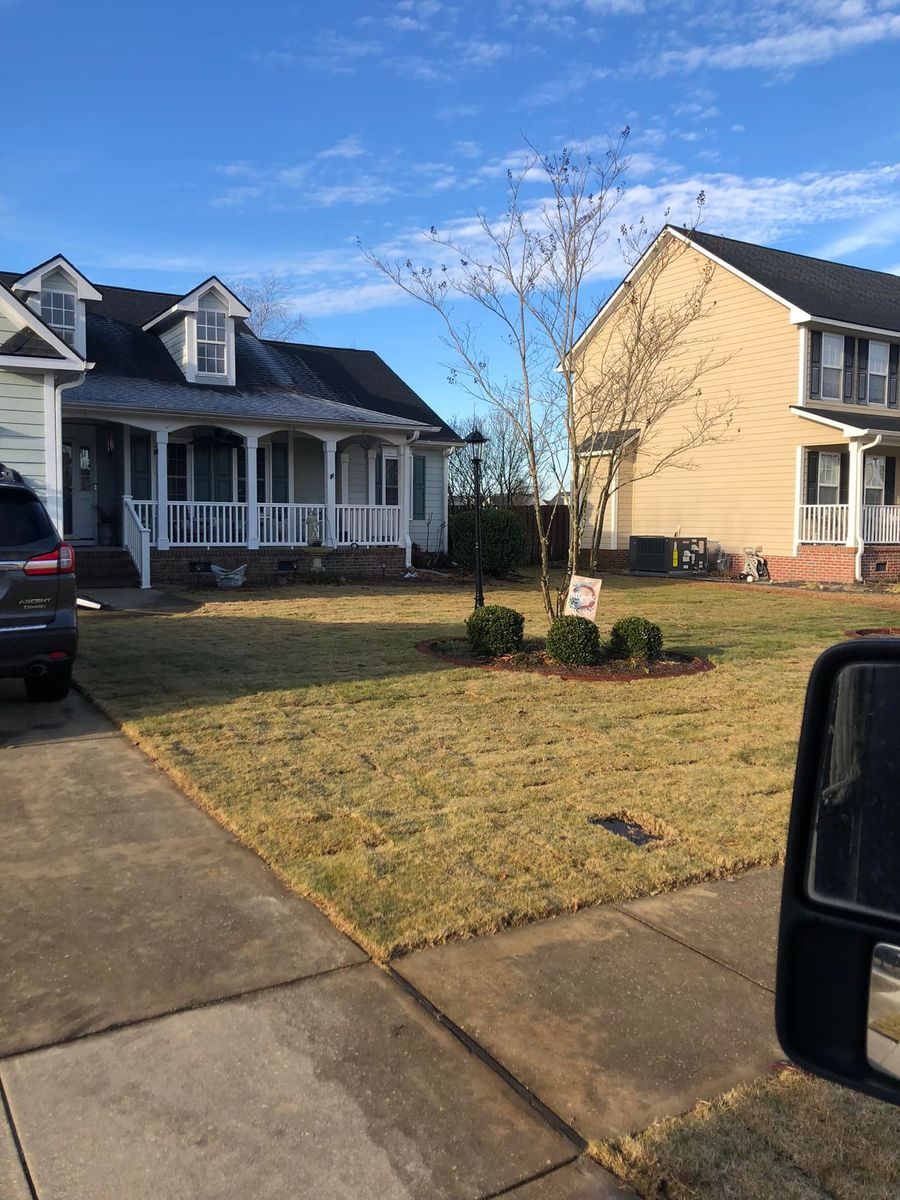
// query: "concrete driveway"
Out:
[174,1024]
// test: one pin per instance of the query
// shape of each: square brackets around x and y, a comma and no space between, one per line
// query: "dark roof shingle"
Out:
[823,289]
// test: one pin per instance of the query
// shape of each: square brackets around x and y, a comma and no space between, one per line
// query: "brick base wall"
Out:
[172,568]
[607,560]
[812,564]
[873,557]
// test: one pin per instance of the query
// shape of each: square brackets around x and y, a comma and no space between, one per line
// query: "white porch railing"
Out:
[146,513]
[207,523]
[291,524]
[881,523]
[136,536]
[367,525]
[823,523]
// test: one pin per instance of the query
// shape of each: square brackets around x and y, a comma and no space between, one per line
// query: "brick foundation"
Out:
[812,564]
[172,568]
[607,560]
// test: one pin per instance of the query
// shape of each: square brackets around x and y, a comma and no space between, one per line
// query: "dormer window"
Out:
[211,340]
[58,310]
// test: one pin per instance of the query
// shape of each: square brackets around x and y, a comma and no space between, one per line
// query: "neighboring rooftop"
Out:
[853,295]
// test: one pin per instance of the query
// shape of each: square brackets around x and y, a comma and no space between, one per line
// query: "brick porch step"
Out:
[105,566]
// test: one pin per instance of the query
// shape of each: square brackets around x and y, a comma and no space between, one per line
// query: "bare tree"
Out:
[640,381]
[528,272]
[504,465]
[271,313]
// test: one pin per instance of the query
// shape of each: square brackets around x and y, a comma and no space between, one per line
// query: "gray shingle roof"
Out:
[607,439]
[820,288]
[880,421]
[282,380]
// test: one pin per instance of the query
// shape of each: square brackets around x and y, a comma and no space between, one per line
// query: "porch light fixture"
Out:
[476,443]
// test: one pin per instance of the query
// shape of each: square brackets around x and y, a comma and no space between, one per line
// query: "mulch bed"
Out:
[671,666]
[888,631]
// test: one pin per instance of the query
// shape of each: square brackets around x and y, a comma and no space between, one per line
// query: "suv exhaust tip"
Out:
[36,670]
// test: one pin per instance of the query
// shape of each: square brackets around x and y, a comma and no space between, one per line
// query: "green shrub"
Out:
[319,575]
[494,630]
[574,641]
[635,637]
[502,540]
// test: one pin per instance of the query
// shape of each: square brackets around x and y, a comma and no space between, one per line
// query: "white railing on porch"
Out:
[146,512]
[291,524]
[207,523]
[823,523]
[367,525]
[136,536]
[881,523]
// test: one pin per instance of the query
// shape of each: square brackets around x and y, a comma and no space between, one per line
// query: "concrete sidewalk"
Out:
[619,1015]
[174,1024]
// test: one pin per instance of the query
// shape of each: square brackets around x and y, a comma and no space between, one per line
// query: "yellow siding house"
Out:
[806,354]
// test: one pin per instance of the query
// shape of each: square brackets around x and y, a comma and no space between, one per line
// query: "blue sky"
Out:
[155,144]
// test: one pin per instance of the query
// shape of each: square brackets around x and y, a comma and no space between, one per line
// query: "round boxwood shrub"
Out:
[635,637]
[494,630]
[502,540]
[574,641]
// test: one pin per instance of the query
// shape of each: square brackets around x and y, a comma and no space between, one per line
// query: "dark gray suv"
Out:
[38,621]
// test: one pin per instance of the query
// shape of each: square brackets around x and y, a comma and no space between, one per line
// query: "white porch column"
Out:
[162,490]
[330,538]
[404,472]
[251,445]
[854,495]
[371,455]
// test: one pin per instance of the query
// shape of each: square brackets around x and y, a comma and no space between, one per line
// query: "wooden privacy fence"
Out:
[559,531]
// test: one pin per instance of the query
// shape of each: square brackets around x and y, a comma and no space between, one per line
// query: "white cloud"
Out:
[338,301]
[237,197]
[738,128]
[348,147]
[366,189]
[806,41]
[466,149]
[484,54]
[615,8]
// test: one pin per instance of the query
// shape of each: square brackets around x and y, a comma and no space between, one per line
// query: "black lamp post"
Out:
[476,441]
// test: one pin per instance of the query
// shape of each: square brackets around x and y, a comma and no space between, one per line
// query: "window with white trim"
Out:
[391,481]
[829,482]
[211,333]
[832,366]
[58,311]
[874,475]
[177,471]
[878,372]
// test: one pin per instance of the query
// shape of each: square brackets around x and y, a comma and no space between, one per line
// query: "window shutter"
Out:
[279,472]
[862,358]
[222,482]
[140,467]
[202,471]
[892,376]
[812,477]
[843,488]
[890,479]
[418,513]
[379,479]
[849,355]
[815,364]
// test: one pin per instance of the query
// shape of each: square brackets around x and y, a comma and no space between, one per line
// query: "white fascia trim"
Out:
[16,310]
[31,282]
[796,314]
[833,324]
[272,425]
[191,302]
[849,431]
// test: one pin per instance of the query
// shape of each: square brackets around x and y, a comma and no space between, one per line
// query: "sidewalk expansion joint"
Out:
[554,1120]
[198,1006]
[14,1134]
[764,987]
[520,1183]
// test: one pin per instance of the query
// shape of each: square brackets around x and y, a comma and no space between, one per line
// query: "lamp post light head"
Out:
[475,441]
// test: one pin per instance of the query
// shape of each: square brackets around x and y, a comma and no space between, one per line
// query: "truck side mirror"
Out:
[838,980]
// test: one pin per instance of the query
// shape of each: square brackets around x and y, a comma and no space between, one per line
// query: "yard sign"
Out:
[583,596]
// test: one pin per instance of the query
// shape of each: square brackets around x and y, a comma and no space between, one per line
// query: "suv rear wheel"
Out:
[54,686]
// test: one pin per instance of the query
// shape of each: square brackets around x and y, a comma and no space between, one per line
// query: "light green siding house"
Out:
[161,426]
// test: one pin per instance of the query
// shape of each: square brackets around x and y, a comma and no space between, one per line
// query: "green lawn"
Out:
[414,801]
[789,1137]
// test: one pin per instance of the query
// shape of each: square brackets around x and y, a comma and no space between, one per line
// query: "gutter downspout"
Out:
[860,544]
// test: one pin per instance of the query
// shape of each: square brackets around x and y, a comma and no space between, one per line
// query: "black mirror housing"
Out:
[840,912]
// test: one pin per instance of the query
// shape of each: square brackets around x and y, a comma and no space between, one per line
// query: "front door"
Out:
[80,483]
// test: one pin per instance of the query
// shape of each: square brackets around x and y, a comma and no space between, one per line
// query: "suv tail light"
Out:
[60,561]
